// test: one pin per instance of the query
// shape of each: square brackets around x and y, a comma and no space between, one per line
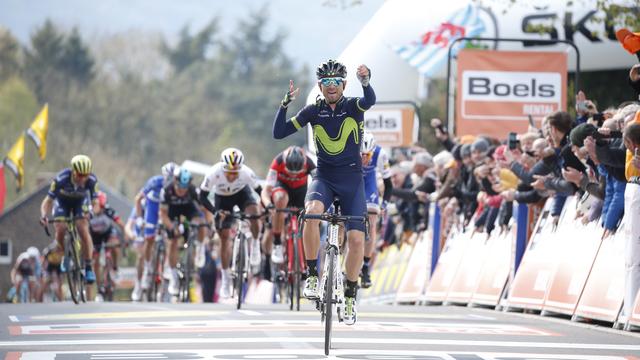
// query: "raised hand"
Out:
[364,75]
[290,95]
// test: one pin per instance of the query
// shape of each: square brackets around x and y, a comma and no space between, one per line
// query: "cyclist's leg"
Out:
[81,219]
[280,199]
[98,243]
[61,211]
[352,202]
[151,212]
[248,200]
[318,198]
[223,227]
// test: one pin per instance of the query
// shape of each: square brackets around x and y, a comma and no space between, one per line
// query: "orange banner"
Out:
[498,90]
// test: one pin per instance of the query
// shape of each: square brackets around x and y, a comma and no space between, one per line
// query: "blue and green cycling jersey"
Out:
[63,189]
[337,133]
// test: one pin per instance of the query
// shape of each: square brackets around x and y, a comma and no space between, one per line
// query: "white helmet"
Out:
[33,252]
[168,170]
[232,159]
[368,143]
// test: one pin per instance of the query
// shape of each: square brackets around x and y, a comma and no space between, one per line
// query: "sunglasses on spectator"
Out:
[335,81]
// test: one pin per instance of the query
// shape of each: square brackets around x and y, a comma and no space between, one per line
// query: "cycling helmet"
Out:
[33,252]
[102,199]
[368,143]
[331,68]
[294,159]
[168,170]
[81,164]
[184,178]
[232,159]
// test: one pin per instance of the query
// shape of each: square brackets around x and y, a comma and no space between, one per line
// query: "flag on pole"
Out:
[429,54]
[14,161]
[38,131]
[3,188]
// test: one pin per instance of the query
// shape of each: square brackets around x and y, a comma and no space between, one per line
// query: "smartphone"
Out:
[531,123]
[581,106]
[512,141]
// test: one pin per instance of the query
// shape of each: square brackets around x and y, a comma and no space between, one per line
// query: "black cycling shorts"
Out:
[241,199]
[296,196]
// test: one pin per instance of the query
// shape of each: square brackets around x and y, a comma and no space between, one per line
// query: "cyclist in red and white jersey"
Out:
[286,186]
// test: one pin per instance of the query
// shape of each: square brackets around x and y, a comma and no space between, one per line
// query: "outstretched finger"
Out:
[290,85]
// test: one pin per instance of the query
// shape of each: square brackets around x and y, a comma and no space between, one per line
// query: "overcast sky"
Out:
[316,31]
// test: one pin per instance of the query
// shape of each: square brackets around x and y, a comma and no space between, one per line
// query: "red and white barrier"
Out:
[416,277]
[604,290]
[496,269]
[534,275]
[446,268]
[578,244]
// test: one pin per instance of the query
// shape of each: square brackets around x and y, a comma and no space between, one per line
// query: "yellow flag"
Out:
[38,131]
[15,161]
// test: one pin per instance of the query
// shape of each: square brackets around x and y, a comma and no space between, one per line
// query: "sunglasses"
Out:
[331,81]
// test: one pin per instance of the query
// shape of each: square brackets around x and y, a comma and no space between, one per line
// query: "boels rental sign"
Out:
[498,90]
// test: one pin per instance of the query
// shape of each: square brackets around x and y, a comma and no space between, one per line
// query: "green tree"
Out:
[9,51]
[191,48]
[76,60]
[43,59]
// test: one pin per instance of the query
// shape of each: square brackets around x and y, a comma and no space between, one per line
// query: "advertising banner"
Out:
[497,91]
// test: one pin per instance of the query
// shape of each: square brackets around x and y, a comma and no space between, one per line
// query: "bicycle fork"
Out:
[242,240]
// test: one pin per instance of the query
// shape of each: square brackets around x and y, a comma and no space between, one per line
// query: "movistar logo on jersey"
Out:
[336,145]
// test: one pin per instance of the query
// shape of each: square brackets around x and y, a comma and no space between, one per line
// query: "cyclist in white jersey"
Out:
[374,162]
[232,184]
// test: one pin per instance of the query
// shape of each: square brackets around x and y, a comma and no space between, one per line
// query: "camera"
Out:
[513,141]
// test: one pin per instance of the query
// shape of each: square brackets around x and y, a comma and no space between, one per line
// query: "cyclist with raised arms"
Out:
[69,195]
[232,184]
[286,186]
[179,198]
[338,124]
[147,204]
[374,162]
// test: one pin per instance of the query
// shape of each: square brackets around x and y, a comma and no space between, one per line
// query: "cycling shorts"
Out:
[189,211]
[241,199]
[63,209]
[372,195]
[53,268]
[296,196]
[151,218]
[100,239]
[347,187]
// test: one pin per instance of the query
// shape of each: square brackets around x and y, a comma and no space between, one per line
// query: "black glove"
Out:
[288,98]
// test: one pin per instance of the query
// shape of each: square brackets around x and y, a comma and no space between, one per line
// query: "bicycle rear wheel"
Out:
[184,293]
[240,260]
[328,298]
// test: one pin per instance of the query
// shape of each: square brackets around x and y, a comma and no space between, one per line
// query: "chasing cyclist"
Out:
[233,184]
[147,204]
[179,198]
[338,124]
[103,227]
[374,162]
[69,195]
[286,186]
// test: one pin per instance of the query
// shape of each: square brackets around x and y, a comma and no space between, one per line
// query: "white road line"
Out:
[336,340]
[250,312]
[13,318]
[316,353]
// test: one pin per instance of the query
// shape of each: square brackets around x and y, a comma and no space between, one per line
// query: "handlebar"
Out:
[334,218]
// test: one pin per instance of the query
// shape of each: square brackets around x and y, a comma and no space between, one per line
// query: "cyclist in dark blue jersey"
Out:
[70,195]
[338,124]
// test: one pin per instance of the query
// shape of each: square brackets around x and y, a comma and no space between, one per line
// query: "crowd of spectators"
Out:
[475,180]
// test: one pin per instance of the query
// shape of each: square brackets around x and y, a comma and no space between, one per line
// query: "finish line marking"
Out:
[304,354]
[319,340]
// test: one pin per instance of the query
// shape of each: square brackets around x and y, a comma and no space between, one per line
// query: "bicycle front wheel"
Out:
[297,274]
[74,278]
[184,293]
[240,260]
[328,298]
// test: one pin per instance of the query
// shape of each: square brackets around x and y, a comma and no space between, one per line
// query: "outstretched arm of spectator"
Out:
[610,156]
[560,186]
